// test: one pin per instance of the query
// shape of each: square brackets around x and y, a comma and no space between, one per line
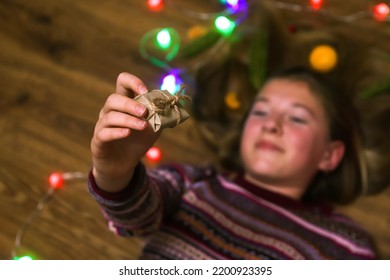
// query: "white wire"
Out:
[299,8]
[42,202]
[279,4]
[26,225]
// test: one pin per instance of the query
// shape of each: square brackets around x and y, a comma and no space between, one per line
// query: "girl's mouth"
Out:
[267,145]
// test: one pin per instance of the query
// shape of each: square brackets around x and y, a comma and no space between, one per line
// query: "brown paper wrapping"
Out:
[164,109]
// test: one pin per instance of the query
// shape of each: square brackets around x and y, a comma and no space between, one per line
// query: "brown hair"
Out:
[260,47]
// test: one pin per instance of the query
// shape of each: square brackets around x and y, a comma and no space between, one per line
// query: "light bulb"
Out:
[164,38]
[224,25]
[155,5]
[56,180]
[381,11]
[316,4]
[154,154]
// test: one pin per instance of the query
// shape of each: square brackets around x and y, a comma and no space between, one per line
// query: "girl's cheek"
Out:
[298,137]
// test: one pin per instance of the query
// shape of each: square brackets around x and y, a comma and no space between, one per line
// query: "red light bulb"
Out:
[56,180]
[316,4]
[154,154]
[155,5]
[381,11]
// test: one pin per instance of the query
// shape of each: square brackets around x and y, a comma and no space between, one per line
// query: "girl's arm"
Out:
[121,136]
[151,197]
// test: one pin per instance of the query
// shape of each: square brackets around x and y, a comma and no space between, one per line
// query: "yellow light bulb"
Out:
[231,100]
[196,31]
[323,58]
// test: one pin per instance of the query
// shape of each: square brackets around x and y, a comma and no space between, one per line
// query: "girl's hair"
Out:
[349,179]
[261,46]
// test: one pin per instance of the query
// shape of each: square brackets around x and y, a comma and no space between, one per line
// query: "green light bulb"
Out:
[224,25]
[164,39]
[23,258]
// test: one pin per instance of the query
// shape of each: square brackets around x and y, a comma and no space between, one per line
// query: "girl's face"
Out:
[285,137]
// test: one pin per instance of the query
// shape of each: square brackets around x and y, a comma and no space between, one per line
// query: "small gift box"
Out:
[165,109]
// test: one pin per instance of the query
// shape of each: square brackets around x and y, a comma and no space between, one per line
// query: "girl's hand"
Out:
[121,136]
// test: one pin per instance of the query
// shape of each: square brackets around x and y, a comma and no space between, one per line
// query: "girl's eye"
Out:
[259,113]
[298,120]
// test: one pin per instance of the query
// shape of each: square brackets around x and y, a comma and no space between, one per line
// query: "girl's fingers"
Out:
[128,85]
[115,125]
[121,114]
[109,134]
[120,103]
[120,120]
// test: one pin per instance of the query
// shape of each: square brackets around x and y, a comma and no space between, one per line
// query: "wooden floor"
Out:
[58,63]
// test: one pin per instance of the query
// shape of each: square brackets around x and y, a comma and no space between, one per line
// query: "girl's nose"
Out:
[273,124]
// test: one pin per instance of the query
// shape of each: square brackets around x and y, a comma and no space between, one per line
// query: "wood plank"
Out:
[58,63]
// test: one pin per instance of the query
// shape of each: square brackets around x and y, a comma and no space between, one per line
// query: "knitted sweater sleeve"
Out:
[150,198]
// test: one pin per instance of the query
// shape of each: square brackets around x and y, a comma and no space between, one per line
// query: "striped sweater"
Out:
[193,213]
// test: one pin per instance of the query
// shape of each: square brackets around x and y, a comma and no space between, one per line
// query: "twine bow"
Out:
[164,105]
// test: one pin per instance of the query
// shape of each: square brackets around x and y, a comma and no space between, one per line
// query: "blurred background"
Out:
[59,61]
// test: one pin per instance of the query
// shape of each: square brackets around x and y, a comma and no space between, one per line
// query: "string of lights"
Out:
[379,12]
[56,181]
[230,7]
[161,46]
[232,14]
[30,219]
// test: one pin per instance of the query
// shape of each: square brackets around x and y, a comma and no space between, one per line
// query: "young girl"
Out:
[300,151]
